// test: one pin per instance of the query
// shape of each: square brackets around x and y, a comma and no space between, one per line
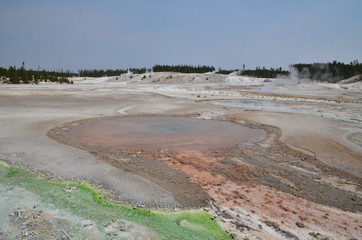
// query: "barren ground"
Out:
[302,181]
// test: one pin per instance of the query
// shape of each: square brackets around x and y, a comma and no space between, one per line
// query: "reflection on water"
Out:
[158,133]
[351,112]
[356,138]
[255,105]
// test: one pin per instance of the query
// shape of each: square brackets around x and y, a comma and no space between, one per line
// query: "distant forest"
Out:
[183,68]
[258,72]
[15,75]
[331,72]
[110,72]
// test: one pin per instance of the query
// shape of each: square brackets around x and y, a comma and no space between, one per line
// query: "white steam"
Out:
[127,74]
[235,73]
[291,79]
[210,73]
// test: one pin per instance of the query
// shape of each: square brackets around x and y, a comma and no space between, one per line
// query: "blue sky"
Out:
[74,34]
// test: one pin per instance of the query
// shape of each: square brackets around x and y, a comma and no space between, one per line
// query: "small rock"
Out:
[87,223]
[300,224]
[313,234]
[271,224]
[24,233]
[233,235]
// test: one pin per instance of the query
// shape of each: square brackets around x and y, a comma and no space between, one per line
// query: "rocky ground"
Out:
[302,181]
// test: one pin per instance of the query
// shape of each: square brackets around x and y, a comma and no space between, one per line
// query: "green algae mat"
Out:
[33,208]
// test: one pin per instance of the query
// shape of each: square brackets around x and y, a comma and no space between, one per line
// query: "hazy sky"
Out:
[73,34]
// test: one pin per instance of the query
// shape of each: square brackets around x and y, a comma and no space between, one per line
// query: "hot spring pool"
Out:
[163,133]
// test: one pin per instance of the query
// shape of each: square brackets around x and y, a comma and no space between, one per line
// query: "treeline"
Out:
[111,72]
[258,72]
[155,68]
[15,75]
[183,68]
[265,73]
[331,71]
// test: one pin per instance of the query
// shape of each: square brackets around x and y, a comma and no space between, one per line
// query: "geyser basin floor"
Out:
[29,111]
[245,181]
[163,133]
